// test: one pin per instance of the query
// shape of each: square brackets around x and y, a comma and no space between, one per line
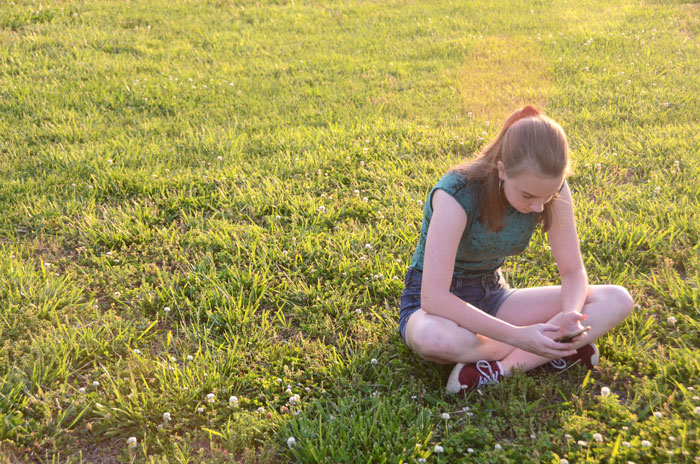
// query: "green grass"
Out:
[232,161]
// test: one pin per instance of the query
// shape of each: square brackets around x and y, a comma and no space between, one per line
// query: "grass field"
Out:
[208,208]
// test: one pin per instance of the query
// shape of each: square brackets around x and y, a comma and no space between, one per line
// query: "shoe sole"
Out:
[453,383]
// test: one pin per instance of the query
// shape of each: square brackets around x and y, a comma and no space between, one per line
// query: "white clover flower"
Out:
[131,442]
[291,441]
[696,411]
[220,158]
[581,443]
[605,391]
[438,449]
[166,309]
[691,389]
[211,397]
[563,461]
[288,390]
[172,358]
[189,357]
[95,384]
[117,294]
[200,410]
[646,443]
[671,320]
[626,444]
[81,389]
[109,161]
[137,351]
[368,246]
[445,416]
[358,311]
[322,209]
[422,460]
[294,399]
[470,450]
[261,409]
[356,192]
[497,447]
[672,439]
[658,415]
[374,361]
[598,437]
[233,400]
[166,416]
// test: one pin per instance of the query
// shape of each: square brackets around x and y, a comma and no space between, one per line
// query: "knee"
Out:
[430,342]
[619,298]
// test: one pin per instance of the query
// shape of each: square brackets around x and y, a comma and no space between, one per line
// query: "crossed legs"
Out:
[441,340]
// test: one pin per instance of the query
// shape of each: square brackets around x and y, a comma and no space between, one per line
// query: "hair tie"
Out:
[529,111]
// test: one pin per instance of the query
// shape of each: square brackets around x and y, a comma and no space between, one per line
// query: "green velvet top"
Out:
[481,251]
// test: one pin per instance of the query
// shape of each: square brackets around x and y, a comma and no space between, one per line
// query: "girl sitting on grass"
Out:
[456,306]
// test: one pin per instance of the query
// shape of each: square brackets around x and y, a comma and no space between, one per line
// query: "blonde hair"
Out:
[528,141]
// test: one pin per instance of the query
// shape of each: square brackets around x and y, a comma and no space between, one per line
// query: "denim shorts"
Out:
[486,292]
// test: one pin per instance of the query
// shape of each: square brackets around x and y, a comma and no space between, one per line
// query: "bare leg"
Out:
[606,306]
[443,341]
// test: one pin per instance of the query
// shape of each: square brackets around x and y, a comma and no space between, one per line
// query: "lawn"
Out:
[208,208]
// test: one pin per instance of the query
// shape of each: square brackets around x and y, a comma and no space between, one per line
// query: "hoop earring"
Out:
[500,184]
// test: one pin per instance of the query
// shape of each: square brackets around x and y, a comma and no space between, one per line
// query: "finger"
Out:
[550,328]
[560,346]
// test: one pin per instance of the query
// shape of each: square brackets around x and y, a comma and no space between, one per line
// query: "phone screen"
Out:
[567,338]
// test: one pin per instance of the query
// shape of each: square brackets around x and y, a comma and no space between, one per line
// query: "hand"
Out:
[571,323]
[537,339]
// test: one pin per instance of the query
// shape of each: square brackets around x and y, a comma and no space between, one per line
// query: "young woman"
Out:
[456,306]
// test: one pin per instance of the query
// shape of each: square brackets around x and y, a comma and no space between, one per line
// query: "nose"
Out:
[537,207]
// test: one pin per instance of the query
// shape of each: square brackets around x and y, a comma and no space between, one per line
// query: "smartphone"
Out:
[568,338]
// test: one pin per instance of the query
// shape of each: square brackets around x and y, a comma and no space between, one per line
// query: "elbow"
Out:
[428,302]
[578,272]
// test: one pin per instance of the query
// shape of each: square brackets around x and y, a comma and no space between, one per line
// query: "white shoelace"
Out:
[558,363]
[487,377]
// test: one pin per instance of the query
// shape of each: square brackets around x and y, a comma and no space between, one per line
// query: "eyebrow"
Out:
[558,191]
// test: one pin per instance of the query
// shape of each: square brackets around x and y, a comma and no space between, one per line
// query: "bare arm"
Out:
[444,233]
[563,239]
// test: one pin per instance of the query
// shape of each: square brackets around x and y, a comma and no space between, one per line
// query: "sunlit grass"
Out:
[260,170]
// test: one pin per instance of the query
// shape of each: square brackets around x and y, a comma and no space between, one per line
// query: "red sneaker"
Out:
[466,377]
[586,355]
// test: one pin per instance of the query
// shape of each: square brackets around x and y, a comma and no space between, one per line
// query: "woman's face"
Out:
[528,192]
